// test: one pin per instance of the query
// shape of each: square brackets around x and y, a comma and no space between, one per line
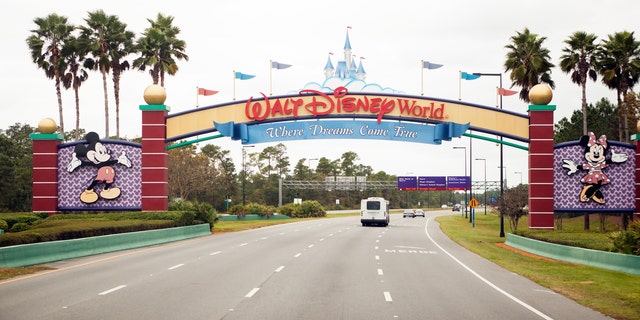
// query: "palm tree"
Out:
[159,48]
[46,45]
[620,68]
[579,59]
[106,38]
[75,75]
[528,62]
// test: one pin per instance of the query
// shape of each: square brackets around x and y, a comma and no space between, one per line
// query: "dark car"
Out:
[408,213]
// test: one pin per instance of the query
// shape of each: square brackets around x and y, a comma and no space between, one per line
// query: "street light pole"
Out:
[244,172]
[485,183]
[501,148]
[465,175]
[520,173]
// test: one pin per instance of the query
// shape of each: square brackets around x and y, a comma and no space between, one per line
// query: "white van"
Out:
[374,210]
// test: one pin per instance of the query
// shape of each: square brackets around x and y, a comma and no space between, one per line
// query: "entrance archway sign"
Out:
[319,115]
[448,117]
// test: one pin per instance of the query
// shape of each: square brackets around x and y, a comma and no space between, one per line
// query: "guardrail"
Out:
[44,252]
[607,260]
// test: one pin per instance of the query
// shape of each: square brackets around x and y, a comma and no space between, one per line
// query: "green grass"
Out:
[615,294]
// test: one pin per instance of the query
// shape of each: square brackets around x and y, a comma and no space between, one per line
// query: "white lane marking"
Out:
[520,302]
[407,247]
[321,239]
[252,292]
[214,253]
[111,290]
[176,266]
[264,238]
[377,257]
[376,247]
[279,268]
[387,296]
[331,235]
[310,246]
[243,244]
[380,273]
[297,255]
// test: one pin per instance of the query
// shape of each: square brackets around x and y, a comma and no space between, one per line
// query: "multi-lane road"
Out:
[318,269]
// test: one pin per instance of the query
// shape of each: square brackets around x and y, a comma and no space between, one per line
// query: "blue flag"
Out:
[429,65]
[469,76]
[242,76]
[277,65]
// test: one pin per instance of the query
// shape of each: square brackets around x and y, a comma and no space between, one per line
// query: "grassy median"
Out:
[612,293]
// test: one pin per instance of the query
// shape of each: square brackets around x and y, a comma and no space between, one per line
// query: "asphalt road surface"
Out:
[320,269]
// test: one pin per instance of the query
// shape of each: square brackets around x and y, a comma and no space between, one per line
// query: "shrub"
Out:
[203,213]
[628,242]
[19,226]
[4,225]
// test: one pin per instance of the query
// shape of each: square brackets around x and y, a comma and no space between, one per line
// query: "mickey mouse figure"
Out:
[100,157]
[595,155]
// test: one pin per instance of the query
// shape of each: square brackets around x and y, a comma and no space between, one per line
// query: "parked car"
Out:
[456,207]
[419,212]
[408,213]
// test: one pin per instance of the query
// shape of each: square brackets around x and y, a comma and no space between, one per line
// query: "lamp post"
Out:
[465,175]
[520,173]
[505,176]
[501,147]
[244,172]
[485,183]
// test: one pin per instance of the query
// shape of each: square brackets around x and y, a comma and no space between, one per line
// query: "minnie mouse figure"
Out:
[100,157]
[596,161]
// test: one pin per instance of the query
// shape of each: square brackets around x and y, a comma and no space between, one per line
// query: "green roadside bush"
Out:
[307,209]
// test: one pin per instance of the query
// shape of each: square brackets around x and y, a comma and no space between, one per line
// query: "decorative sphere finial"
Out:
[47,125]
[540,94]
[155,94]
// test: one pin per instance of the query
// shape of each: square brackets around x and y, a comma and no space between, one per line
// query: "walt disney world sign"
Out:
[383,117]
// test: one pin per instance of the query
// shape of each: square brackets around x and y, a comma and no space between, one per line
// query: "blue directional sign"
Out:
[458,182]
[407,183]
[432,183]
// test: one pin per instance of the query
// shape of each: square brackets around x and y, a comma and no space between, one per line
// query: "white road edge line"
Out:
[176,266]
[252,292]
[111,290]
[387,296]
[520,302]
[279,268]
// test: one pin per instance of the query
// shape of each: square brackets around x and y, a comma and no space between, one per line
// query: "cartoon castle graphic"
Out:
[346,69]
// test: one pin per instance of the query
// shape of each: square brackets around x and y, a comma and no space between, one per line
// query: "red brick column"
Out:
[541,166]
[45,172]
[155,170]
[636,139]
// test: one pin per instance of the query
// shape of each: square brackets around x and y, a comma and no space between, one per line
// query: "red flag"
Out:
[205,92]
[505,92]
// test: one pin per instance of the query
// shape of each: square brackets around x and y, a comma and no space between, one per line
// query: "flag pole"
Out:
[234,84]
[270,77]
[459,85]
[422,77]
[197,94]
[497,97]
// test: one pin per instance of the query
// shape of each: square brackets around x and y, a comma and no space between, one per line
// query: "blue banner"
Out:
[347,129]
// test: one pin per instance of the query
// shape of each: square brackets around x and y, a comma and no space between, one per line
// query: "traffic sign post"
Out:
[473,203]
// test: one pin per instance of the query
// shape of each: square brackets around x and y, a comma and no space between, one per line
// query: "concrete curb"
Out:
[44,252]
[607,260]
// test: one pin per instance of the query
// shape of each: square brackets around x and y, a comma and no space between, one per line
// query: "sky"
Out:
[392,37]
